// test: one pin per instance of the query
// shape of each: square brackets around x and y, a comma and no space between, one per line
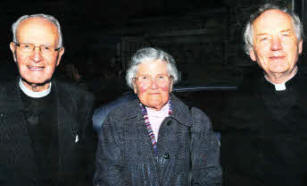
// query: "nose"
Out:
[153,84]
[36,56]
[276,44]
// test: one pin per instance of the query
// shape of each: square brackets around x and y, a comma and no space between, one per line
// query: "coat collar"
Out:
[181,112]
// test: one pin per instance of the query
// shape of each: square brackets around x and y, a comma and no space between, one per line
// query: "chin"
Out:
[156,107]
[279,70]
[36,81]
[157,104]
[153,103]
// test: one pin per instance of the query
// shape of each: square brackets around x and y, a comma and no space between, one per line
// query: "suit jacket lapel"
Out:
[19,141]
[67,132]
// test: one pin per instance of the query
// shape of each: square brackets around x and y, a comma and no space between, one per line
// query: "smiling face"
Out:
[275,45]
[36,68]
[152,84]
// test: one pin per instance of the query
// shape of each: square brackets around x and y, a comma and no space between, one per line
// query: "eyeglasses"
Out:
[160,79]
[30,47]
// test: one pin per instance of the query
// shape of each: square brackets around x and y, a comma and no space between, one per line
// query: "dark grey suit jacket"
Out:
[76,138]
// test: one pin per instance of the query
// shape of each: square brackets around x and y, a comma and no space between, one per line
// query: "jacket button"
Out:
[169,123]
[166,156]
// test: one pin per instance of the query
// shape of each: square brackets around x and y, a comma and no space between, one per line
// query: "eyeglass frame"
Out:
[170,77]
[39,46]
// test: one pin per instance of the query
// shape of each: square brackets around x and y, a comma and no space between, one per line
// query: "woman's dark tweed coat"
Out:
[125,155]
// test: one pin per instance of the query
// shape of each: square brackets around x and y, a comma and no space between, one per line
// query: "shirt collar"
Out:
[180,111]
[31,93]
[161,113]
[280,86]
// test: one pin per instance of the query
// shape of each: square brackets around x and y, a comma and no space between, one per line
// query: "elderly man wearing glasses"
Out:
[45,135]
[156,139]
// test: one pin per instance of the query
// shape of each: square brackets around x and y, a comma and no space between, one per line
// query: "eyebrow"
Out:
[263,34]
[287,30]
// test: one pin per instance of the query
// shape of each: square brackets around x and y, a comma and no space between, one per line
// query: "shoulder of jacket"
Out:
[124,111]
[72,90]
[200,119]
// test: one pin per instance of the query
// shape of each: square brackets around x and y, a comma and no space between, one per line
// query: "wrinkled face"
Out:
[36,67]
[276,47]
[153,84]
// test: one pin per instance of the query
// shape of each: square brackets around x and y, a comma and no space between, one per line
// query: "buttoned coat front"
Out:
[188,151]
[17,159]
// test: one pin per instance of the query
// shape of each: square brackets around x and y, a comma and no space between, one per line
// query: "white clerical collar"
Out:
[279,86]
[33,94]
[282,86]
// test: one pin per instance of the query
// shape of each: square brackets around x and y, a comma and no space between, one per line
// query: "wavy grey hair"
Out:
[248,32]
[45,16]
[150,54]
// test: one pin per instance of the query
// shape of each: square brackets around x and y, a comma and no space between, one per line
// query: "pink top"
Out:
[156,118]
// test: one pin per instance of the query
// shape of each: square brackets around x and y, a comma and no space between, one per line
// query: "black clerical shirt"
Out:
[41,117]
[264,142]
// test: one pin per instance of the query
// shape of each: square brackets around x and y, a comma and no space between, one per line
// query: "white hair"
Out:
[149,55]
[248,32]
[45,16]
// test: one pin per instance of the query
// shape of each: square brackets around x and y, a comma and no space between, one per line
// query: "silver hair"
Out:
[45,16]
[150,54]
[248,31]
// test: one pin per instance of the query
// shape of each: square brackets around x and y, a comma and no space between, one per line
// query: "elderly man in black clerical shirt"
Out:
[264,140]
[45,131]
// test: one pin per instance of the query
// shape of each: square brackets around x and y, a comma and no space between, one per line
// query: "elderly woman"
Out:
[156,140]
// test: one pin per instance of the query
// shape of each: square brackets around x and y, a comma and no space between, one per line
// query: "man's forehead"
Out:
[36,22]
[273,14]
[273,20]
[36,27]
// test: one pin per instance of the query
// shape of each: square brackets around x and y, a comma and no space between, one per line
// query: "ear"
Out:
[300,46]
[61,52]
[135,90]
[252,55]
[13,49]
[171,85]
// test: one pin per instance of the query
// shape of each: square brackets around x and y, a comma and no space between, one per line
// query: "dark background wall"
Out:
[204,36]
